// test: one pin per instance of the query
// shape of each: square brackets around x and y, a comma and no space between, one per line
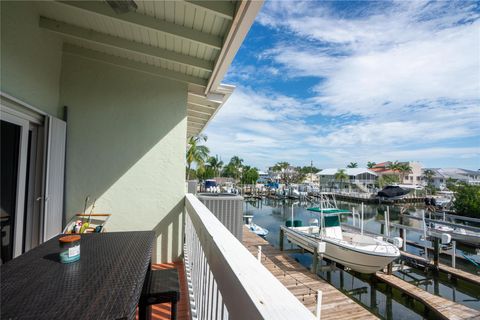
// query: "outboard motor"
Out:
[397,242]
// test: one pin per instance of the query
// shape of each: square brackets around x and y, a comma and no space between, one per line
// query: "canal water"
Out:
[382,300]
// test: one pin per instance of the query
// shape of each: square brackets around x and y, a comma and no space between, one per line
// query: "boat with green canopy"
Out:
[357,251]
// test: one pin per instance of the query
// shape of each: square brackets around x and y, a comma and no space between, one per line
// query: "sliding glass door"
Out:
[14,148]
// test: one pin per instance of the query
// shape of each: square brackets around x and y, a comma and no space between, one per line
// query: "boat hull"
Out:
[466,238]
[355,260]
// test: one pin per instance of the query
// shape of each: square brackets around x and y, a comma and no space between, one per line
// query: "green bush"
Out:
[467,200]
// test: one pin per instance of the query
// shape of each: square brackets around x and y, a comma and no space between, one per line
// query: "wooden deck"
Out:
[444,309]
[303,284]
[460,274]
[162,311]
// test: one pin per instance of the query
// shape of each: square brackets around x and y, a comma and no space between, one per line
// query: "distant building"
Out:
[441,175]
[361,177]
[415,177]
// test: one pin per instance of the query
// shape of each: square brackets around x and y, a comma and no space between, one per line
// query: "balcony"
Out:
[224,279]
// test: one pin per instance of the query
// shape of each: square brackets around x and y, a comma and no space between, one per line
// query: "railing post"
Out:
[259,255]
[318,312]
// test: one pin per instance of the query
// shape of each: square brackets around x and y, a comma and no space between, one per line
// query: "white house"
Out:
[361,177]
[441,175]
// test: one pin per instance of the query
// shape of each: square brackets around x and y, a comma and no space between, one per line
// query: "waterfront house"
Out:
[98,99]
[360,178]
[442,175]
[414,177]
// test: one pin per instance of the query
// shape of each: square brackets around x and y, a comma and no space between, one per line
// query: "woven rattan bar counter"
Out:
[105,283]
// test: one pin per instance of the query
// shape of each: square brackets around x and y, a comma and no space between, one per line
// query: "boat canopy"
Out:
[328,210]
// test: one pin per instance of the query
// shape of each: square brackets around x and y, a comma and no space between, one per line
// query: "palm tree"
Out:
[429,174]
[196,153]
[370,164]
[236,163]
[405,169]
[352,165]
[341,176]
[215,164]
[400,168]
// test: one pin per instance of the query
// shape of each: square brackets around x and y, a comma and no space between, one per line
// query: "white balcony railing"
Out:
[225,280]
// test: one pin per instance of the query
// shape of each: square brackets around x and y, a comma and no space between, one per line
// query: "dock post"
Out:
[387,222]
[424,227]
[454,254]
[390,268]
[404,237]
[436,251]
[315,261]
[318,311]
[259,256]
[281,239]
[361,226]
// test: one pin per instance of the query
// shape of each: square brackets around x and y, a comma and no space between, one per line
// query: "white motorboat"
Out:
[259,231]
[459,234]
[359,252]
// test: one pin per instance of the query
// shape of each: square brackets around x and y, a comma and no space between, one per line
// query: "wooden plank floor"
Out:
[162,311]
[467,276]
[444,308]
[303,284]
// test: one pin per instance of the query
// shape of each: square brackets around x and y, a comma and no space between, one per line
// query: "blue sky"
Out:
[336,82]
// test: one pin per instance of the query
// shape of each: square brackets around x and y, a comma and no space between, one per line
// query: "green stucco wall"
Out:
[126,148]
[30,57]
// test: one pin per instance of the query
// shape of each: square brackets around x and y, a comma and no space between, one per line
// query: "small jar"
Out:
[70,248]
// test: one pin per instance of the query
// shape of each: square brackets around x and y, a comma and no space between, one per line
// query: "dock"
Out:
[455,273]
[304,284]
[443,308]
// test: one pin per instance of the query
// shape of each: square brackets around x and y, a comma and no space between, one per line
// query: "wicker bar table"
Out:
[105,283]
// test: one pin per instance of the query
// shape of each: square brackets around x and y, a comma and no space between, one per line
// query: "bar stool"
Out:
[162,286]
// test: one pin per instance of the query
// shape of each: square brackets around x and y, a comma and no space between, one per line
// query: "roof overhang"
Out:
[189,41]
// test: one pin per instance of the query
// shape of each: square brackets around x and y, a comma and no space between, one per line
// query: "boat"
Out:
[391,192]
[359,252]
[259,231]
[459,234]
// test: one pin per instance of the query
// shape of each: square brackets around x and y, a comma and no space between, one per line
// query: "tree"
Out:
[400,168]
[370,164]
[215,164]
[204,172]
[233,168]
[341,176]
[451,183]
[387,179]
[394,166]
[287,174]
[308,170]
[467,200]
[404,169]
[352,165]
[196,153]
[250,175]
[429,174]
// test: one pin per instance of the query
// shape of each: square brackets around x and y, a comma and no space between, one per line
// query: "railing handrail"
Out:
[248,289]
